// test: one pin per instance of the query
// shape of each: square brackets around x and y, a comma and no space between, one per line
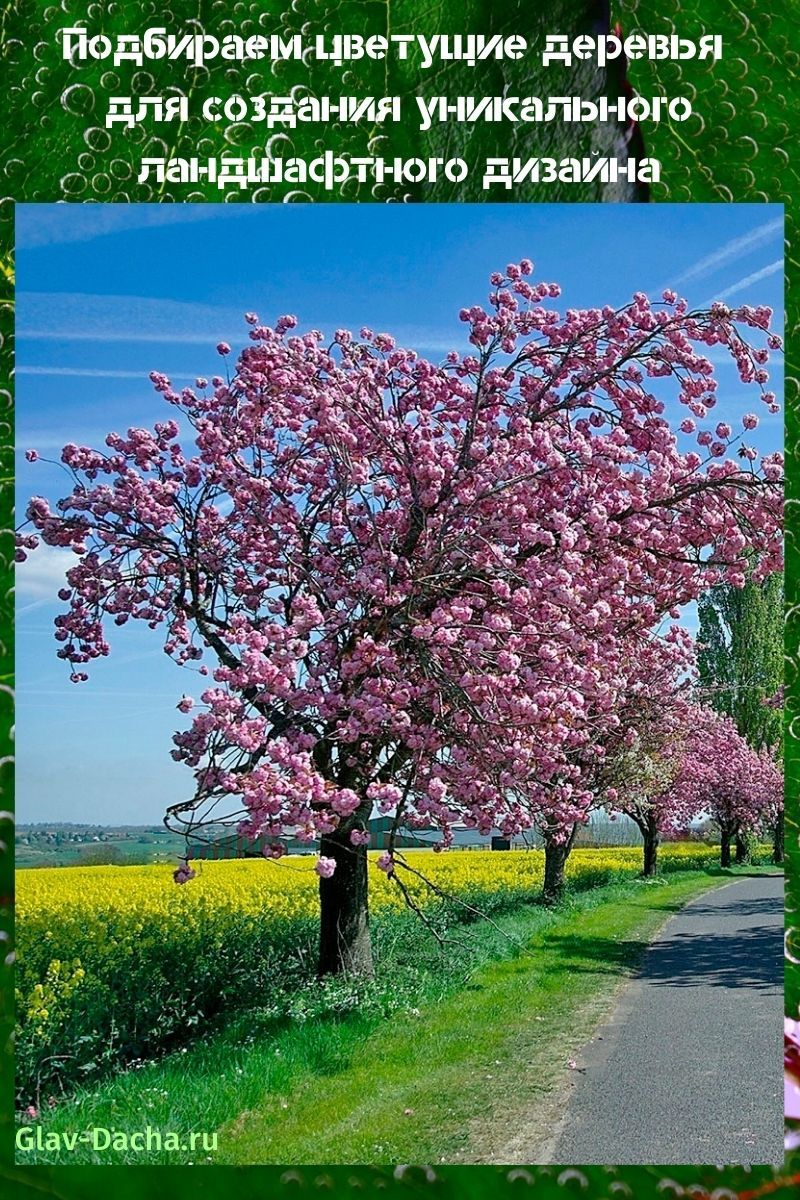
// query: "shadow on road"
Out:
[748,958]
[755,906]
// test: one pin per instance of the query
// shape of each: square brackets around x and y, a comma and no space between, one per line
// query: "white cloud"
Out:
[44,572]
[47,440]
[81,317]
[735,248]
[756,277]
[58,224]
[81,372]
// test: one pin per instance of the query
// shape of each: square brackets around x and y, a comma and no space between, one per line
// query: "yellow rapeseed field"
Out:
[115,962]
[72,908]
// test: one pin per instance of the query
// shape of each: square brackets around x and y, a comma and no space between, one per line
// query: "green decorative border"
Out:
[737,150]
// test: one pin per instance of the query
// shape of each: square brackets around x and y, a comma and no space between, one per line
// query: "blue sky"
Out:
[107,293]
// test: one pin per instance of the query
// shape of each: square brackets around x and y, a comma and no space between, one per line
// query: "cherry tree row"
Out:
[423,589]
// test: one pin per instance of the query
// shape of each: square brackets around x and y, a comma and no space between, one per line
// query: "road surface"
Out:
[689,1068]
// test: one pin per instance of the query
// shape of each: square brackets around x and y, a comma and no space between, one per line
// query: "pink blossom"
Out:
[325,866]
[385,862]
[719,773]
[345,540]
[273,850]
[791,1067]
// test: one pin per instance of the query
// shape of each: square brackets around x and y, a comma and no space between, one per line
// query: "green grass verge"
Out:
[428,1065]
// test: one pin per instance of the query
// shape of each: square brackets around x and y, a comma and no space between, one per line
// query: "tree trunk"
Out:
[725,848]
[777,841]
[555,861]
[344,941]
[741,849]
[651,843]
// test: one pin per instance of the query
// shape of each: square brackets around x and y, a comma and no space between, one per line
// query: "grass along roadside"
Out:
[433,1081]
[116,964]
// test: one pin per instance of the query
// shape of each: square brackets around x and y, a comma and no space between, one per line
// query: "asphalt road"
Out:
[689,1069]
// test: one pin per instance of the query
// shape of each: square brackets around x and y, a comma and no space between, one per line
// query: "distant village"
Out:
[74,844]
